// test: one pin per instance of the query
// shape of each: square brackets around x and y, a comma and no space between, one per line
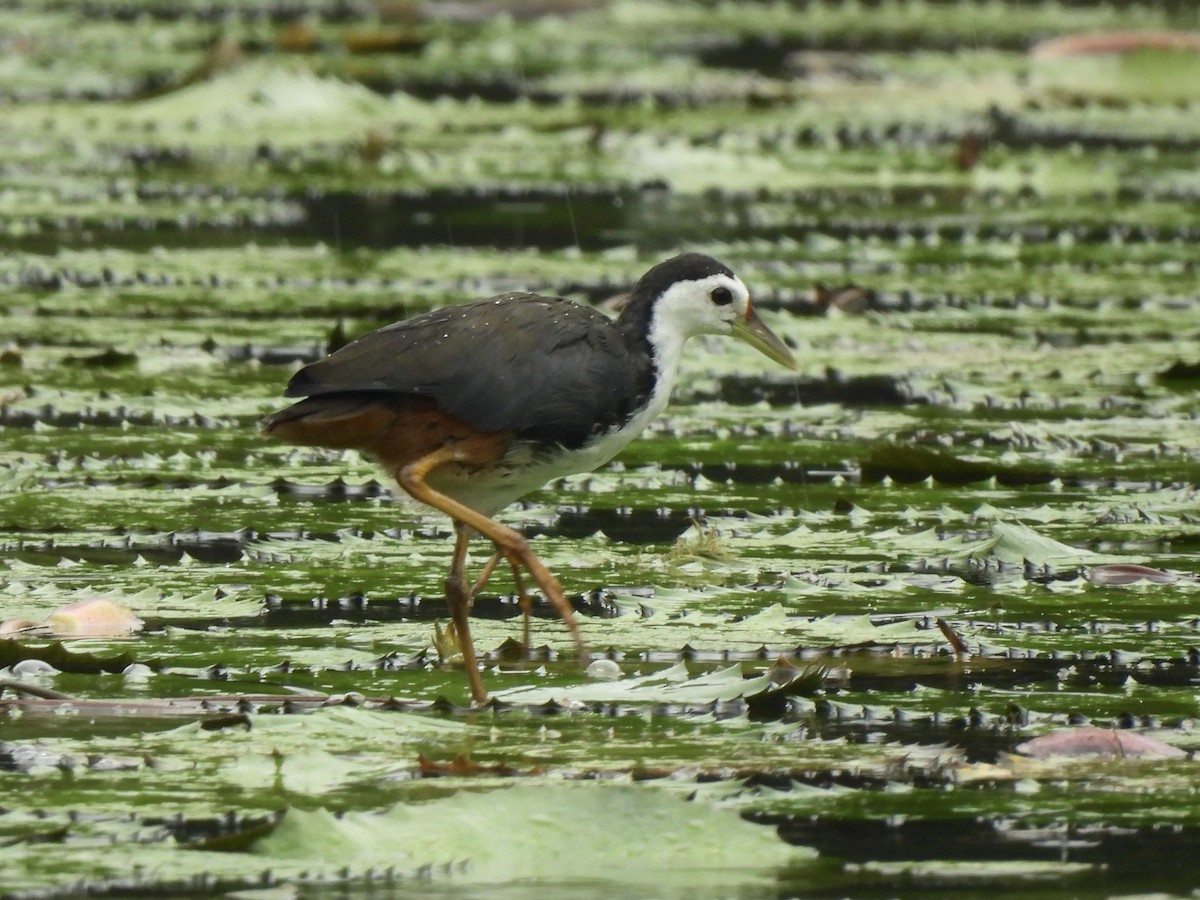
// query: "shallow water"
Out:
[997,399]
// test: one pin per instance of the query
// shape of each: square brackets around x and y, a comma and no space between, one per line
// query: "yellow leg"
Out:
[486,574]
[458,598]
[509,544]
[523,597]
[526,605]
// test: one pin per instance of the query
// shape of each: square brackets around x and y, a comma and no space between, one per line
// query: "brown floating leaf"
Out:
[1128,573]
[299,36]
[462,765]
[1098,742]
[381,40]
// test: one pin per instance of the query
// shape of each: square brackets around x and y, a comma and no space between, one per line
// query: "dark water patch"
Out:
[167,549]
[34,277]
[1180,375]
[208,831]
[206,884]
[149,482]
[145,235]
[111,556]
[108,358]
[222,12]
[118,417]
[923,231]
[1122,856]
[1006,131]
[1018,670]
[589,217]
[504,87]
[834,387]
[1016,132]
[909,465]
[321,611]
[780,55]
[62,657]
[213,210]
[649,216]
[980,738]
[627,525]
[854,299]
[492,87]
[1004,128]
[507,218]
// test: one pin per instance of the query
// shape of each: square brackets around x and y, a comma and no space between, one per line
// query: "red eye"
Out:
[721,296]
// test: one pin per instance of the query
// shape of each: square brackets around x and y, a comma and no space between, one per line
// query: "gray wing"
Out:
[550,370]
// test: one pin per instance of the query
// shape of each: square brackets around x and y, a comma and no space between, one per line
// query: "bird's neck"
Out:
[659,337]
[662,346]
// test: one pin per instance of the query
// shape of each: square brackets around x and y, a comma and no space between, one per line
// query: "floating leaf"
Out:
[97,617]
[1098,742]
[1128,573]
[502,835]
[1015,543]
[671,685]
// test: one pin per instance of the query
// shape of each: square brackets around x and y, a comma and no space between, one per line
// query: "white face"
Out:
[706,306]
[716,304]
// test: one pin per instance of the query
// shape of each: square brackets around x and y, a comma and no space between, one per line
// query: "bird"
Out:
[472,406]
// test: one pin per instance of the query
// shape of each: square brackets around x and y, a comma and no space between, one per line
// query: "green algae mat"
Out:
[921,618]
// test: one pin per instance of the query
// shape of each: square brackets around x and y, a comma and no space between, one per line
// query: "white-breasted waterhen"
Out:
[470,407]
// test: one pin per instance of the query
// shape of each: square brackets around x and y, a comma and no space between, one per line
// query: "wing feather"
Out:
[550,370]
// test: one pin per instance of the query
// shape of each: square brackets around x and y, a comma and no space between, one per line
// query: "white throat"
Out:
[666,342]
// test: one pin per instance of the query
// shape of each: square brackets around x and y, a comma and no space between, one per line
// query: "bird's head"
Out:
[693,294]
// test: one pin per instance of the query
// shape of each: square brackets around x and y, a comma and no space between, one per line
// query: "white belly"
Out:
[525,469]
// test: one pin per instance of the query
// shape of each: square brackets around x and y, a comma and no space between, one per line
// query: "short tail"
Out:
[335,421]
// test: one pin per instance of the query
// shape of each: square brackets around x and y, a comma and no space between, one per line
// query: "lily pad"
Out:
[508,835]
